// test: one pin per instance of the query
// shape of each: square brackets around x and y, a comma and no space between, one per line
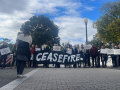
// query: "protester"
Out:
[3,57]
[68,50]
[114,57]
[57,65]
[98,59]
[32,53]
[23,51]
[14,55]
[47,48]
[82,52]
[87,55]
[119,56]
[94,53]
[34,64]
[103,58]
[77,51]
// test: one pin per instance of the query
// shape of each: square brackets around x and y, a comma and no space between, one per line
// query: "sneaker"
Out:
[22,76]
[18,75]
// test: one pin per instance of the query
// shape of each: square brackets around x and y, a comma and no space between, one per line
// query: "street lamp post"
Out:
[86,21]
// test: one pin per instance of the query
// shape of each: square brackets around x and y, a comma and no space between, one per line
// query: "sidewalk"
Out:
[69,79]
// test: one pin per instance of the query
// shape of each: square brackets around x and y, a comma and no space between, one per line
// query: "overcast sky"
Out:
[67,14]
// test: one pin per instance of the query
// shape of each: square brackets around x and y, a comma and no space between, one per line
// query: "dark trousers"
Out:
[30,63]
[34,64]
[98,62]
[104,63]
[119,61]
[114,61]
[20,66]
[3,57]
[87,59]
[79,63]
[94,58]
[57,65]
[74,65]
[14,59]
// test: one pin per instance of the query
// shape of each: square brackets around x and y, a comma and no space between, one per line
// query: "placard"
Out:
[117,52]
[111,51]
[104,51]
[5,51]
[37,49]
[56,48]
[69,51]
[87,46]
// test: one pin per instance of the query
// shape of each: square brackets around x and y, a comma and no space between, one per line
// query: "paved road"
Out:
[7,75]
[72,79]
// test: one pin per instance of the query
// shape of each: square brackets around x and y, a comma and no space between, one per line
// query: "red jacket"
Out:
[93,51]
[32,51]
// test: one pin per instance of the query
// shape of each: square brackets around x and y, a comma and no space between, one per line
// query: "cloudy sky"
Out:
[67,14]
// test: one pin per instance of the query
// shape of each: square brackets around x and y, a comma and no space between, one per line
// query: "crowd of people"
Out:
[94,53]
[23,55]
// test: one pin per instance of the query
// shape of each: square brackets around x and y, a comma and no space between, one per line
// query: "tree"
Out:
[110,12]
[114,32]
[42,29]
[10,45]
[4,40]
[96,41]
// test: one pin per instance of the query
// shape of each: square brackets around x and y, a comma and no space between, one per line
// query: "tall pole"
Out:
[86,31]
[86,21]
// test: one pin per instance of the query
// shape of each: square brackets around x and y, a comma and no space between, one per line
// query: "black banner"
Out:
[54,57]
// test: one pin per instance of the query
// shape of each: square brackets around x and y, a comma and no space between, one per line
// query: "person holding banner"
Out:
[36,49]
[77,51]
[23,51]
[56,48]
[82,52]
[68,50]
[119,56]
[114,57]
[32,53]
[47,49]
[87,54]
[103,58]
[94,53]
[3,57]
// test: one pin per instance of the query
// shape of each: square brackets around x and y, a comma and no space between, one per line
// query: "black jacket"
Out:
[23,49]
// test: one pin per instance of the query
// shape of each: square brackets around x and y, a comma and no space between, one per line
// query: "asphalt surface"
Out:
[7,75]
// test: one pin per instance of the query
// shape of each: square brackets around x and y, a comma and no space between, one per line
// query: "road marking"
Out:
[12,85]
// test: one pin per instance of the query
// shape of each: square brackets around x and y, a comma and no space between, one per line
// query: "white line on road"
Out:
[12,85]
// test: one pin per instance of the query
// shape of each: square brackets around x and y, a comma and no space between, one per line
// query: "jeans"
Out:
[3,57]
[20,66]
